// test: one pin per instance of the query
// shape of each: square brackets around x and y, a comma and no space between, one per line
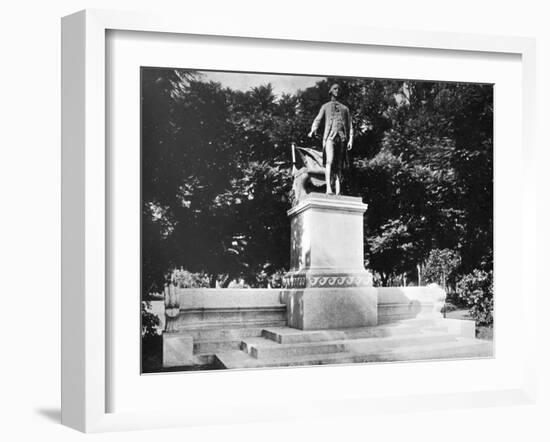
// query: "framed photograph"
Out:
[290,212]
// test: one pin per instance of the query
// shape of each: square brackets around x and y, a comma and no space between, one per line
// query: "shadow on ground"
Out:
[51,414]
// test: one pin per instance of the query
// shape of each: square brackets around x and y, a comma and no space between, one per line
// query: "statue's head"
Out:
[335,90]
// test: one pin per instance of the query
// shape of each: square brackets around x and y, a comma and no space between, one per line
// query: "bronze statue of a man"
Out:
[337,137]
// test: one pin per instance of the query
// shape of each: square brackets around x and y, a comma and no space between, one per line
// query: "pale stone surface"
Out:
[460,327]
[287,335]
[327,233]
[326,308]
[397,303]
[211,320]
[229,307]
[177,350]
[320,312]
[222,298]
[414,339]
[327,285]
[230,315]
[421,334]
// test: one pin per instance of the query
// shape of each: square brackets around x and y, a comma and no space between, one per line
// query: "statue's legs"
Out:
[329,158]
[338,160]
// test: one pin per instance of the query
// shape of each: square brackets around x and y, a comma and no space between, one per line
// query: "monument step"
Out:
[265,348]
[233,339]
[414,322]
[214,346]
[288,335]
[210,315]
[457,348]
[461,348]
[229,330]
[456,327]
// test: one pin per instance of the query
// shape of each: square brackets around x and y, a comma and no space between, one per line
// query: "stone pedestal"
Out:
[328,286]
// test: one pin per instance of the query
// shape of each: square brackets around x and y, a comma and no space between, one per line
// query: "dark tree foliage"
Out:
[216,182]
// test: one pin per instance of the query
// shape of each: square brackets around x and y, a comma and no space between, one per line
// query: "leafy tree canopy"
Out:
[216,181]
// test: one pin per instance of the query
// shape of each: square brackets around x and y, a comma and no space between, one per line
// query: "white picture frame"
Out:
[85,202]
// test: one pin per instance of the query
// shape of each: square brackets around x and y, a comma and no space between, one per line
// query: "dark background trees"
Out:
[216,181]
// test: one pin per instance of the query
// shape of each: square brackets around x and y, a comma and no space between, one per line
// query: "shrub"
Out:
[276,279]
[272,280]
[186,280]
[238,283]
[476,290]
[149,321]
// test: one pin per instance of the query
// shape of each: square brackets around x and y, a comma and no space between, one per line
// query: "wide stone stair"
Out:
[212,338]
[407,340]
[248,328]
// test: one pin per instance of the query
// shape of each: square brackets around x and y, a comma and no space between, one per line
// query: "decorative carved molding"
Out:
[294,281]
[302,281]
[171,308]
[339,281]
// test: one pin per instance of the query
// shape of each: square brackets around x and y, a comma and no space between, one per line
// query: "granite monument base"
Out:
[328,286]
[327,308]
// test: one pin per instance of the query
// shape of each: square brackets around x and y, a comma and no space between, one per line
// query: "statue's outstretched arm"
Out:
[317,121]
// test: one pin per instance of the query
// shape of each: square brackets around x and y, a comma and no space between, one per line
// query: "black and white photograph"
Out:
[291,220]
